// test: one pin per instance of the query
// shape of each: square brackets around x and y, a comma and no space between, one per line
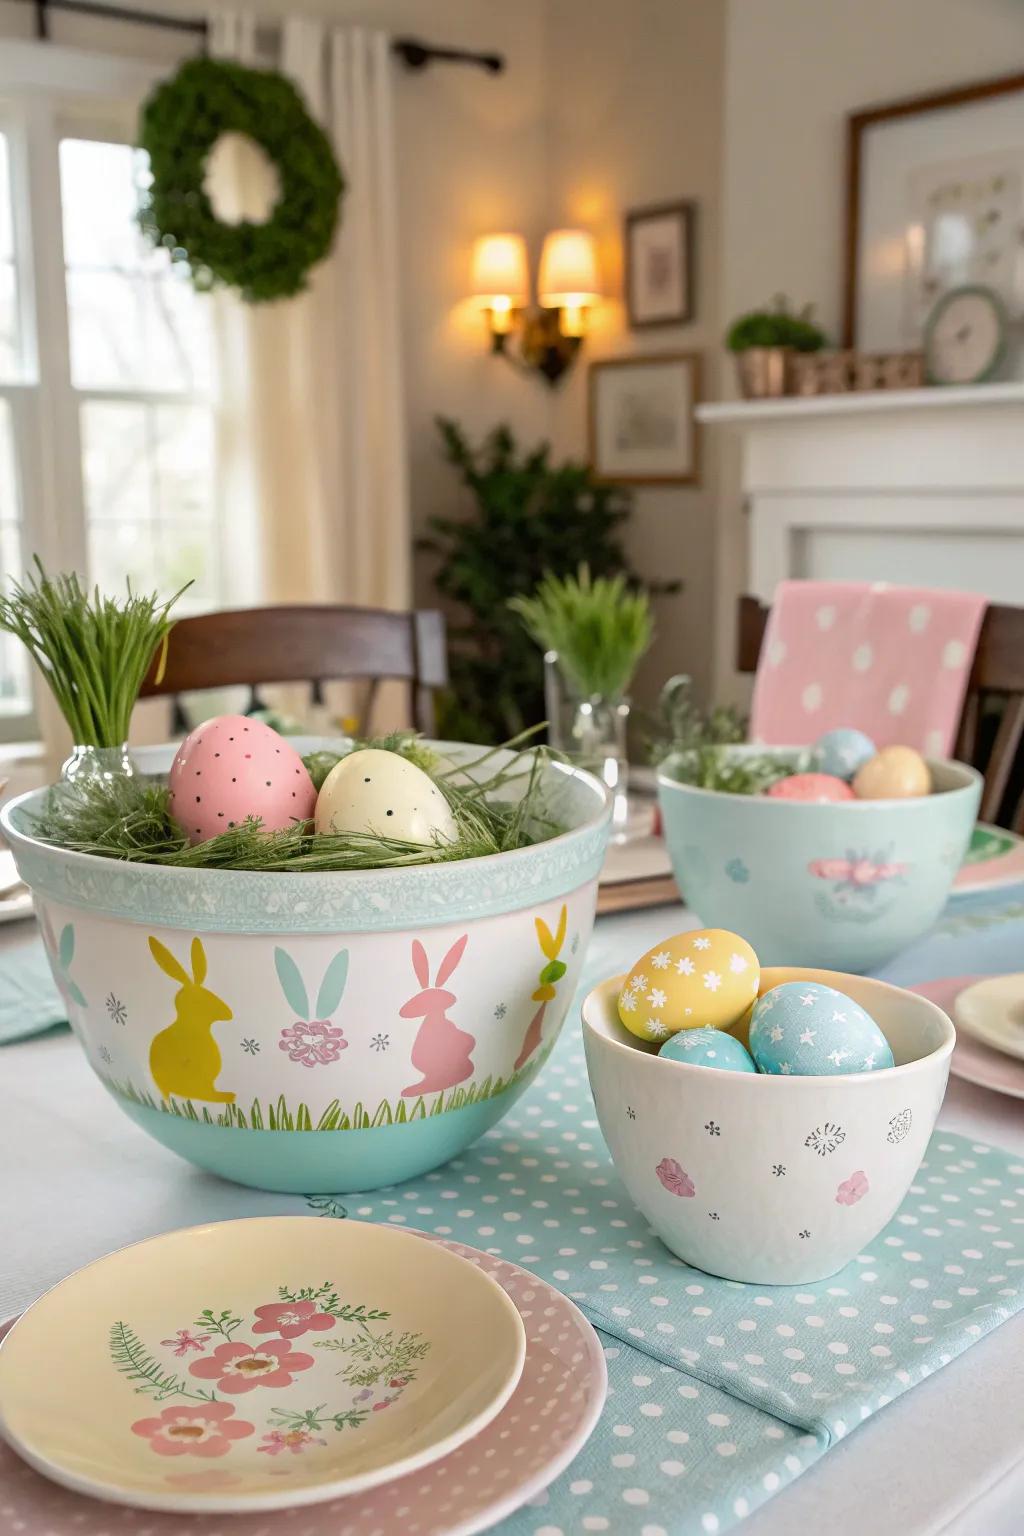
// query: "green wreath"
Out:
[181,122]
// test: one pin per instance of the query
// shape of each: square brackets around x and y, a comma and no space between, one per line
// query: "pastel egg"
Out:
[382,793]
[805,1029]
[708,1048]
[810,786]
[894,773]
[230,768]
[703,978]
[841,752]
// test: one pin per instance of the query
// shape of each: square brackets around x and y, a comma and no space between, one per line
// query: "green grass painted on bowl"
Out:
[282,1116]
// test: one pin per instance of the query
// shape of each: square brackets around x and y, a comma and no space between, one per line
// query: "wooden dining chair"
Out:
[991,732]
[306,644]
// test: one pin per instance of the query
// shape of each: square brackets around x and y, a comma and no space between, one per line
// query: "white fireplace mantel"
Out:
[922,486]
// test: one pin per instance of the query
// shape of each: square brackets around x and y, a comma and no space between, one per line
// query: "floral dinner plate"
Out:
[258,1364]
[994,861]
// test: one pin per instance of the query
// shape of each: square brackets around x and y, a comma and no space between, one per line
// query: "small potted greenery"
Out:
[763,341]
[593,632]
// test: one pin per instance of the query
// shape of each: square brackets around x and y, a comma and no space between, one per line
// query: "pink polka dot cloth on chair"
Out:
[891,661]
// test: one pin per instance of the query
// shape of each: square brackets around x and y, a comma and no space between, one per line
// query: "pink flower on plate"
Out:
[240,1367]
[290,1318]
[294,1440]
[675,1179]
[314,1042]
[852,1189]
[194,1429]
[185,1339]
[385,1403]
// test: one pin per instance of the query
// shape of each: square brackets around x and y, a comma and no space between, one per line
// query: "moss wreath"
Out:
[180,124]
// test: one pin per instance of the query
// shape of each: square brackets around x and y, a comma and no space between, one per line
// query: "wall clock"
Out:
[965,336]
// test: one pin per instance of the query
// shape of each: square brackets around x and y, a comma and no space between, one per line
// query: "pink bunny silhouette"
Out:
[441,1051]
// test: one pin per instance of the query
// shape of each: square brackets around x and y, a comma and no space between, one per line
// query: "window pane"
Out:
[10,340]
[134,319]
[15,697]
[148,478]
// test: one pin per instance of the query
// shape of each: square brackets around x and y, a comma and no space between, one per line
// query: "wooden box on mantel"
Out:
[839,373]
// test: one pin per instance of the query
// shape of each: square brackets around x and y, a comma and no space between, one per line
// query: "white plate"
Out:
[245,1365]
[993,1012]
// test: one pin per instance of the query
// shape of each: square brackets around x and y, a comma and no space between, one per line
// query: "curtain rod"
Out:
[413,53]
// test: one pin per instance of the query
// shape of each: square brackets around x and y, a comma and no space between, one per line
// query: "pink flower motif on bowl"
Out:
[291,1318]
[293,1440]
[185,1339]
[313,1042]
[194,1429]
[240,1367]
[852,1189]
[675,1179]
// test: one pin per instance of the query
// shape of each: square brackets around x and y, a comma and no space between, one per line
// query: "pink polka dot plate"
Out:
[258,1364]
[547,1420]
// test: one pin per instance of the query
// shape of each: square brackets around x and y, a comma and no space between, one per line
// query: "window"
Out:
[107,397]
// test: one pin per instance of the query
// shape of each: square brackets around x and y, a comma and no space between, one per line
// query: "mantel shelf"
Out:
[882,401]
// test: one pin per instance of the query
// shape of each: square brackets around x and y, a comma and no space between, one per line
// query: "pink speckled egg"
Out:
[230,768]
[811,786]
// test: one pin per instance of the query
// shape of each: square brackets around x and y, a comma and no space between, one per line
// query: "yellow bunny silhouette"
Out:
[551,948]
[184,1058]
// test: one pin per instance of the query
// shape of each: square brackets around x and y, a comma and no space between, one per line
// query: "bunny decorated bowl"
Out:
[768,1179]
[321,1032]
[845,884]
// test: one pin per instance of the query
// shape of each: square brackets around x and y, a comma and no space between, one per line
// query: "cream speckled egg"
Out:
[380,792]
[706,977]
[894,773]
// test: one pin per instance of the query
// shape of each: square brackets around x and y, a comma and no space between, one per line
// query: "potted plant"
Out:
[763,340]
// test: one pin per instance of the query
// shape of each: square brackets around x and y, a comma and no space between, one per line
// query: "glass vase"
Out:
[591,732]
[98,765]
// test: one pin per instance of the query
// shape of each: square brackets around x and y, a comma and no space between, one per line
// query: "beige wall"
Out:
[794,69]
[635,105]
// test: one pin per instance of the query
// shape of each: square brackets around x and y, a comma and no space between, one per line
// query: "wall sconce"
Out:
[549,337]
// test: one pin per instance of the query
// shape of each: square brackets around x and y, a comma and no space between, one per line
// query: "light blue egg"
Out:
[804,1029]
[842,752]
[708,1048]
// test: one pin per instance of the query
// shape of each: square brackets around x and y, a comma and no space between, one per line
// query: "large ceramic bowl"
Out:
[844,885]
[321,1032]
[770,1180]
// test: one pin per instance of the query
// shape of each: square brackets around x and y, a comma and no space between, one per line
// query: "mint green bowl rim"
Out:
[354,901]
[965,779]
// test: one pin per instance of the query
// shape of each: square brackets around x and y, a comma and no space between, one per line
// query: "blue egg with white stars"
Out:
[842,752]
[805,1029]
[708,1048]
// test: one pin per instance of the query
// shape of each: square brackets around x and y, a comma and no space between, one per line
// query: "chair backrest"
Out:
[991,734]
[314,644]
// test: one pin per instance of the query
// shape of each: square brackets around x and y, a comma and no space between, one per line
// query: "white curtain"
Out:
[312,440]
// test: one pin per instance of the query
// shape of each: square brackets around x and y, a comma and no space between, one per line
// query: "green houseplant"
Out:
[529,517]
[763,338]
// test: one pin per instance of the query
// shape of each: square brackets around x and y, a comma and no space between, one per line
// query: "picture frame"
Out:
[936,181]
[659,246]
[641,426]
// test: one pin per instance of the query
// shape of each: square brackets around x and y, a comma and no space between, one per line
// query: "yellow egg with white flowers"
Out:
[705,977]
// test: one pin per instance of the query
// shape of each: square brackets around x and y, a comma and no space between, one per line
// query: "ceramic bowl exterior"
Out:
[844,885]
[770,1180]
[320,1032]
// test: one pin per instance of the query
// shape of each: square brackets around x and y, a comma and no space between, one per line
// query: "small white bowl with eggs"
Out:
[768,1179]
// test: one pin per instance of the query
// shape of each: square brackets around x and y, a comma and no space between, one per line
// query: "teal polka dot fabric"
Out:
[720,1393]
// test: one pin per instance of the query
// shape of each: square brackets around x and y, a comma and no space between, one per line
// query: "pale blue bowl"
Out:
[844,885]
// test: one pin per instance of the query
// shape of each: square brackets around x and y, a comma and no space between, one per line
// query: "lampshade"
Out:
[568,270]
[499,273]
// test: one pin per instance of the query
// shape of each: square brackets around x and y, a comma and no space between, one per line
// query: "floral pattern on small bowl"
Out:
[853,1189]
[675,1178]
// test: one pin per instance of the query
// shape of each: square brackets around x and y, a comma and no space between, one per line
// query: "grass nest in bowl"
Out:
[498,807]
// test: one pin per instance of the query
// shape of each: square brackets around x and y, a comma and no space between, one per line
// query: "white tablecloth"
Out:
[78,1179]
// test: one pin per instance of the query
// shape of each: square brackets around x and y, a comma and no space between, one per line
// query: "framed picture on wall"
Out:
[641,425]
[659,260]
[934,201]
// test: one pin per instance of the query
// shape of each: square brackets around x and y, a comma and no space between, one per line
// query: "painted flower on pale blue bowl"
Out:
[845,885]
[323,1032]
